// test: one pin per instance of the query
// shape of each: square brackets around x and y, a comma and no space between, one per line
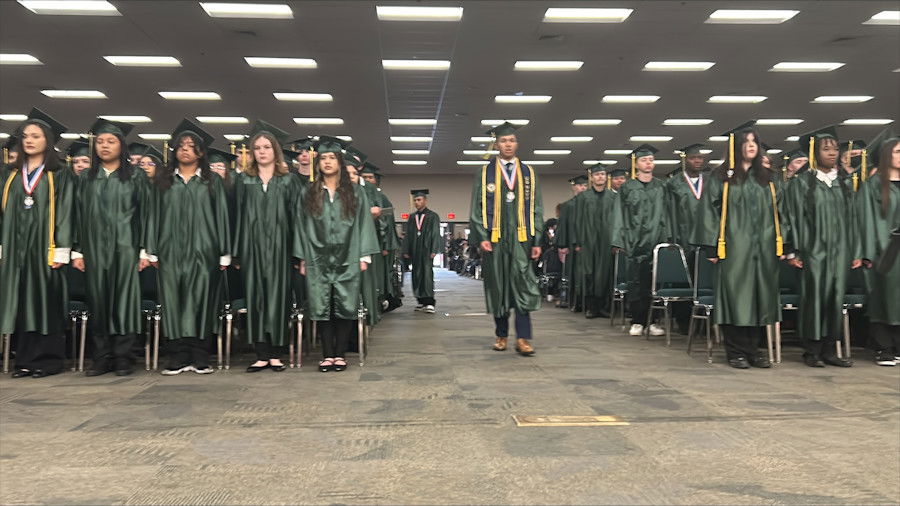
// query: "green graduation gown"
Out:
[509,278]
[263,236]
[565,237]
[32,294]
[599,230]
[420,245]
[387,238]
[682,202]
[112,218]
[746,285]
[370,283]
[190,221]
[332,246]
[820,220]
[645,224]
[874,235]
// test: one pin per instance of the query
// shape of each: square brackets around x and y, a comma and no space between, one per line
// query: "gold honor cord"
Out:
[520,205]
[495,226]
[720,250]
[533,178]
[9,180]
[779,241]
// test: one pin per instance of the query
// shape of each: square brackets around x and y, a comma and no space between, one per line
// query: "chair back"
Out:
[704,274]
[669,267]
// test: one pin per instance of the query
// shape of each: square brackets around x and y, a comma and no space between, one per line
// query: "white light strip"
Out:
[715,162]
[773,151]
[678,66]
[842,99]
[247,10]
[345,138]
[155,137]
[222,119]
[596,122]
[884,18]
[666,162]
[479,152]
[6,136]
[736,99]
[601,162]
[585,15]
[18,59]
[799,66]
[319,121]
[571,139]
[482,139]
[415,64]
[410,151]
[650,138]
[779,121]
[235,137]
[417,13]
[412,122]
[547,65]
[538,162]
[616,151]
[687,122]
[303,97]
[143,61]
[718,138]
[550,152]
[630,99]
[522,99]
[748,16]
[410,162]
[793,138]
[73,93]
[470,162]
[69,136]
[71,7]
[495,122]
[867,121]
[265,62]
[190,95]
[127,118]
[410,138]
[13,117]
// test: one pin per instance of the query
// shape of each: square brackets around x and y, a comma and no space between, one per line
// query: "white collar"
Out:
[196,173]
[827,177]
[504,162]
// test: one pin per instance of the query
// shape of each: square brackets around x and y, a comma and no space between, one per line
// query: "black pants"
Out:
[885,337]
[39,351]
[113,347]
[265,351]
[335,334]
[823,347]
[640,276]
[523,325]
[426,301]
[741,341]
[189,351]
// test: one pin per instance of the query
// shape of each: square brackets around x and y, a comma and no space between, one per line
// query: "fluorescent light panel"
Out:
[415,64]
[482,139]
[479,152]
[571,139]
[417,13]
[601,162]
[71,8]
[750,16]
[666,162]
[222,119]
[842,99]
[522,99]
[18,59]
[687,122]
[143,61]
[71,136]
[718,138]
[410,162]
[155,137]
[190,95]
[410,151]
[73,93]
[495,122]
[13,117]
[127,118]
[779,121]
[538,162]
[799,66]
[266,62]
[412,121]
[235,137]
[470,162]
[884,18]
[736,99]
[585,15]
[630,99]
[857,121]
[650,138]
[678,66]
[4,136]
[616,151]
[345,138]
[410,138]
[247,10]
[535,65]
[319,121]
[596,122]
[793,138]
[303,97]
[550,152]
[773,151]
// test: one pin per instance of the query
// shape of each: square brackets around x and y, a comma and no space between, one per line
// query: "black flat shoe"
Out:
[813,361]
[42,373]
[838,362]
[278,368]
[340,367]
[98,370]
[21,373]
[257,368]
[739,363]
[760,362]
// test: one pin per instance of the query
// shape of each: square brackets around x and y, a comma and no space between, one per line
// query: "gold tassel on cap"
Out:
[5,156]
[166,152]
[862,166]
[812,152]
[232,148]
[312,165]
[784,167]
[633,159]
[683,161]
[731,151]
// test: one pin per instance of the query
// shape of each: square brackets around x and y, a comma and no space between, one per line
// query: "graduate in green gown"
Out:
[266,197]
[112,210]
[191,242]
[565,236]
[421,244]
[683,192]
[10,150]
[387,239]
[617,179]
[35,242]
[304,154]
[644,215]
[369,285]
[505,220]
[741,228]
[79,156]
[878,214]
[598,225]
[794,161]
[853,162]
[151,160]
[335,240]
[823,244]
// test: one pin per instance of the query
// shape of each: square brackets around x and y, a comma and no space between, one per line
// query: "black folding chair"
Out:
[670,282]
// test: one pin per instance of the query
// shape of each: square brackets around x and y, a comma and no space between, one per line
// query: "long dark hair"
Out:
[884,173]
[315,195]
[760,174]
[125,169]
[811,175]
[51,160]
[165,177]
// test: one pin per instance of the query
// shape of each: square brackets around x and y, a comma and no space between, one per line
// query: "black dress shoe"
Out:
[124,371]
[257,368]
[123,367]
[739,363]
[760,362]
[278,368]
[42,373]
[813,360]
[835,361]
[21,373]
[589,314]
[98,369]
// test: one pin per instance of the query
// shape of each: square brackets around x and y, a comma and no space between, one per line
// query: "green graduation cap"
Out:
[743,127]
[505,128]
[290,155]
[303,143]
[692,150]
[264,126]
[617,171]
[875,144]
[38,116]
[79,148]
[369,168]
[851,145]
[732,139]
[137,148]
[810,141]
[105,126]
[218,156]
[353,152]
[582,179]
[189,127]
[794,154]
[12,142]
[644,150]
[153,153]
[328,144]
[419,193]
[572,180]
[597,167]
[351,160]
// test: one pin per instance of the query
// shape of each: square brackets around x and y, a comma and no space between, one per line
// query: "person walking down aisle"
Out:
[420,245]
[505,220]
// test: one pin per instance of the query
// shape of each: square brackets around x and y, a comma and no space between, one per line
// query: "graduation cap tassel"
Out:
[166,152]
[633,175]
[5,156]
[91,147]
[683,161]
[312,165]
[69,161]
[784,166]
[731,151]
[812,152]
[232,148]
[862,167]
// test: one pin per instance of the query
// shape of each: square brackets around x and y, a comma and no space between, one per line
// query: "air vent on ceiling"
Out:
[553,38]
[249,33]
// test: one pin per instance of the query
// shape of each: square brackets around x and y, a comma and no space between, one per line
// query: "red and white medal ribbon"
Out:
[35,178]
[420,220]
[698,191]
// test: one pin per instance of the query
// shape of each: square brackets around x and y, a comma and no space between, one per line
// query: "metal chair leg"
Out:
[777,342]
[769,331]
[667,315]
[74,318]
[83,342]
[148,338]
[291,345]
[6,340]
[690,335]
[299,339]
[847,332]
[156,331]
[361,341]
[228,322]
[219,343]
[709,344]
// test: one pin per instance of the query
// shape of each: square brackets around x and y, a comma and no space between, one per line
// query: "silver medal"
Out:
[29,202]
[510,196]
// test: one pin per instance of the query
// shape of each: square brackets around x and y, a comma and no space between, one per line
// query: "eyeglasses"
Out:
[148,164]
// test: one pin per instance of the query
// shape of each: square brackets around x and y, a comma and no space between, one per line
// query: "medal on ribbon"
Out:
[29,183]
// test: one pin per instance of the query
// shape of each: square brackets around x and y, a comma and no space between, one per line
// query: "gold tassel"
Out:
[165,152]
[633,175]
[5,156]
[9,180]
[721,245]
[232,148]
[683,161]
[312,165]
[862,167]
[855,182]
[52,222]
[779,241]
[69,161]
[91,148]
[812,153]
[730,152]
[784,167]
[498,210]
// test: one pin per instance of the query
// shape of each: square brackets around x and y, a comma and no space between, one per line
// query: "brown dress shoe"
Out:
[500,344]
[523,346]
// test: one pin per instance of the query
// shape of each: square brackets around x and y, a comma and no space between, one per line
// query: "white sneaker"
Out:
[549,298]
[205,370]
[636,330]
[384,305]
[429,309]
[174,372]
[419,307]
[656,330]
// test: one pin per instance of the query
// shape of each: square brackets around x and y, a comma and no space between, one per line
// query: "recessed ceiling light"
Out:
[303,97]
[571,139]
[666,162]
[596,122]
[410,138]
[73,93]
[799,66]
[715,162]
[687,122]
[751,16]
[630,99]
[718,138]
[418,13]
[71,8]
[495,122]
[412,122]
[650,138]
[190,95]
[127,118]
[470,162]
[415,64]
[479,152]
[5,136]
[601,162]
[13,117]
[867,121]
[235,137]
[265,62]
[842,99]
[538,162]
[319,121]
[547,65]
[345,138]
[779,121]
[616,151]
[410,151]
[247,10]
[550,152]
[736,99]
[18,59]
[482,139]
[410,162]
[773,151]
[678,66]
[143,61]
[71,136]
[155,137]
[884,18]
[222,119]
[585,15]
[522,99]
[793,138]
